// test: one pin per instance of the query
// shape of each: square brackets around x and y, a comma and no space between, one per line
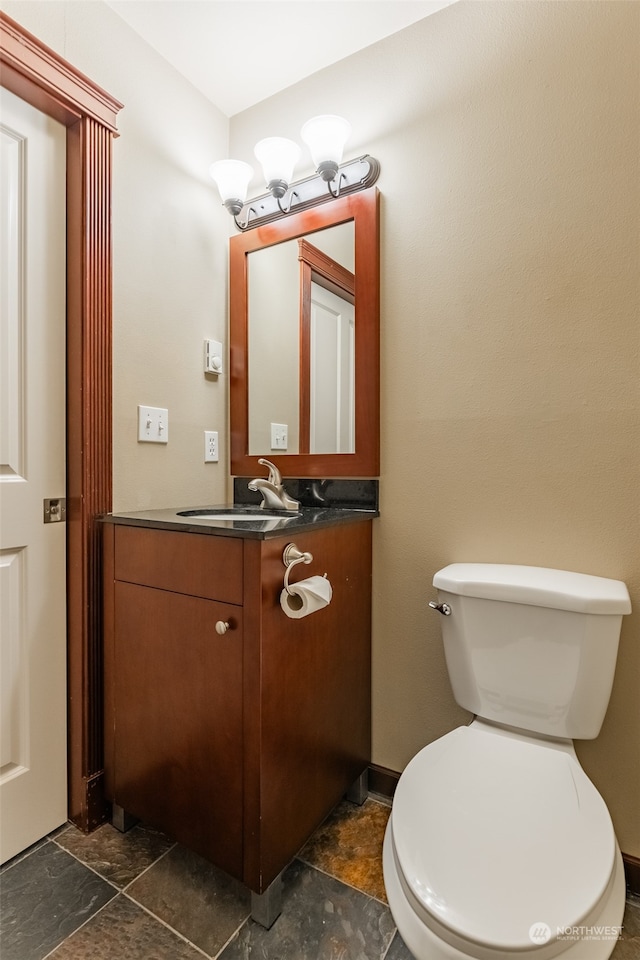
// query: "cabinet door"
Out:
[178,718]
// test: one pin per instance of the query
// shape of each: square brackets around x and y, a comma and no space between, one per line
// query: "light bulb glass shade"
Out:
[326,136]
[278,157]
[232,179]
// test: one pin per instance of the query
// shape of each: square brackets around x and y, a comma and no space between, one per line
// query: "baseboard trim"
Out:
[93,810]
[384,782]
[632,874]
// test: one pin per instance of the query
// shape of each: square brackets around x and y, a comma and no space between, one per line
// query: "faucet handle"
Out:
[274,474]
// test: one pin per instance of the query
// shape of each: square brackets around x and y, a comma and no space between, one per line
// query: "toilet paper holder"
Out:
[290,557]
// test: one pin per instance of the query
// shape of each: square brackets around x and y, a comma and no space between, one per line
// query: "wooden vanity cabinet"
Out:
[236,744]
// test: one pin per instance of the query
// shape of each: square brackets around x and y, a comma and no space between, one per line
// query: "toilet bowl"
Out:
[498,844]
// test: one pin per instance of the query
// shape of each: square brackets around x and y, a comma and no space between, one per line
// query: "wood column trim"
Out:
[39,76]
[89,444]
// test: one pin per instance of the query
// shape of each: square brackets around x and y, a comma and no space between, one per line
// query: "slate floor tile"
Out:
[124,931]
[398,950]
[348,845]
[20,856]
[321,919]
[628,947]
[58,908]
[201,902]
[45,897]
[118,857]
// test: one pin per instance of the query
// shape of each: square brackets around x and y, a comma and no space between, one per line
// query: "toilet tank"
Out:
[531,647]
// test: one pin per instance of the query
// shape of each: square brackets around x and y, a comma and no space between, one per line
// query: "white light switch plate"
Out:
[279,436]
[153,425]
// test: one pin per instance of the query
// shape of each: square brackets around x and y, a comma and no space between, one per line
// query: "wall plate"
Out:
[153,424]
[279,436]
[211,451]
[213,357]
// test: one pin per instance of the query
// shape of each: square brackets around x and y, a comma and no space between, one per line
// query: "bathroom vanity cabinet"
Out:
[236,743]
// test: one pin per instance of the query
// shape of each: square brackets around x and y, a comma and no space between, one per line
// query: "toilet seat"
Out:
[495,832]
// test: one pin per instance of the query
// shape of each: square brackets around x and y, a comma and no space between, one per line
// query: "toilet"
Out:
[498,845]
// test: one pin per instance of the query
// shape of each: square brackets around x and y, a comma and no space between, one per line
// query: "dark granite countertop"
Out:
[306,518]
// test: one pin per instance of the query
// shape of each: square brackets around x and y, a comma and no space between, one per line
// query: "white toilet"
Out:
[498,845]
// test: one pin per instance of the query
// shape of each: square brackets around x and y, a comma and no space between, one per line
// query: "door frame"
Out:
[38,75]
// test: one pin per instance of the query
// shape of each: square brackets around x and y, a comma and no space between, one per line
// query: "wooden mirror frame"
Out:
[363,209]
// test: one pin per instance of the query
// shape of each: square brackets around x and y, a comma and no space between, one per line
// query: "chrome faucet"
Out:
[273,493]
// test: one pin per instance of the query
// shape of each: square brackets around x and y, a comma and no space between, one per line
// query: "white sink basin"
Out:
[240,514]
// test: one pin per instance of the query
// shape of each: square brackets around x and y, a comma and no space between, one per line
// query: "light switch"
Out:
[153,425]
[279,436]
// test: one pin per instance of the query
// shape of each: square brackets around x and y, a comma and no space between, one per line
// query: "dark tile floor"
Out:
[139,896]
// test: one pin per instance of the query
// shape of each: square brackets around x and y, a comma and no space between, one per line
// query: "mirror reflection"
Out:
[304,332]
[301,344]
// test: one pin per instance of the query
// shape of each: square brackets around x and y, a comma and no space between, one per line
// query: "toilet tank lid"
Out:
[539,586]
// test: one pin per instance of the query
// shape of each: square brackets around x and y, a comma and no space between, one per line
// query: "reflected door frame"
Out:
[36,74]
[318,267]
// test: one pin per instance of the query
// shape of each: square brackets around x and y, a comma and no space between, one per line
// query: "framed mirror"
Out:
[305,342]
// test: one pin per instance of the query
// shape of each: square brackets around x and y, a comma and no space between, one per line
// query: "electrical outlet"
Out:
[153,424]
[211,446]
[279,436]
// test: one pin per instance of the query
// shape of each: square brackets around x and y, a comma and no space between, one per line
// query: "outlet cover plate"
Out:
[211,452]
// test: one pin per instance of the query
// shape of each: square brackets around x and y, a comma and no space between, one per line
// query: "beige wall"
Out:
[169,253]
[508,135]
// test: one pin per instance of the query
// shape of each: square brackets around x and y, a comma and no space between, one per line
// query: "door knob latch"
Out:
[54,510]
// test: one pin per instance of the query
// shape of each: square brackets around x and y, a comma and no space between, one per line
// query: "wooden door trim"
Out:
[39,76]
[35,72]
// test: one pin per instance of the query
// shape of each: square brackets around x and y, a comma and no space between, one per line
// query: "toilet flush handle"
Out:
[443,608]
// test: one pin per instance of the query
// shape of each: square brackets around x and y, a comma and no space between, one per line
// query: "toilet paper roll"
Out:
[305,597]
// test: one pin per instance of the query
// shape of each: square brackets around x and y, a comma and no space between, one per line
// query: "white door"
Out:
[332,373]
[33,735]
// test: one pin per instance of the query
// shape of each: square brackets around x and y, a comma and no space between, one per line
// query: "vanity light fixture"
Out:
[326,137]
[232,178]
[278,157]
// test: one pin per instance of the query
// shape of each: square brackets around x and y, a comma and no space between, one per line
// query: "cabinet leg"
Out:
[122,820]
[359,789]
[266,907]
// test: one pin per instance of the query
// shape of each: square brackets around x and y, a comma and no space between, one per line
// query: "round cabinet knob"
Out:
[221,627]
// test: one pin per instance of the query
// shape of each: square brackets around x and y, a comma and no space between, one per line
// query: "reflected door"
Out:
[33,780]
[331,373]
